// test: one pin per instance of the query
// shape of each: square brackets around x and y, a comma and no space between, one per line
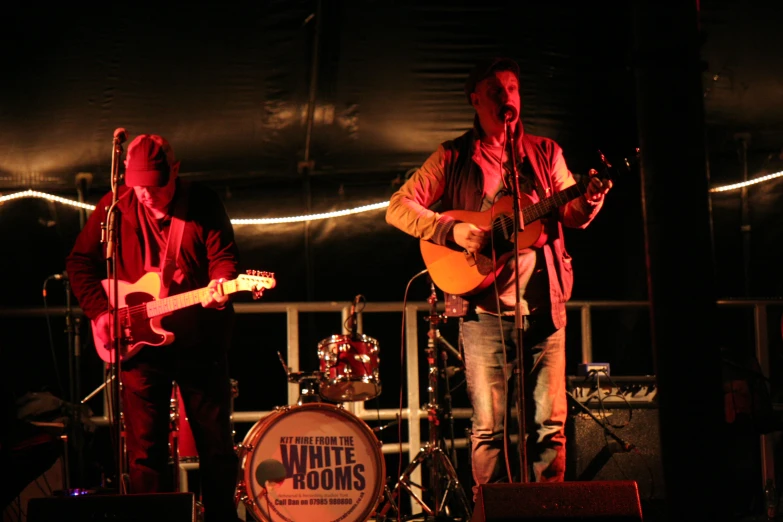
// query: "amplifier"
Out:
[628,407]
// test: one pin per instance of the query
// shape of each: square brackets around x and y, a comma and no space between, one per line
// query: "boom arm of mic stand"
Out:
[453,351]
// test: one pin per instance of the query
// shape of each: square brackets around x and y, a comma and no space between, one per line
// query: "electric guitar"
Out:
[457,272]
[141,311]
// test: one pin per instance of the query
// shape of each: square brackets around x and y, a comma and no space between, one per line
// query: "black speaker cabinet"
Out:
[172,507]
[615,501]
[593,455]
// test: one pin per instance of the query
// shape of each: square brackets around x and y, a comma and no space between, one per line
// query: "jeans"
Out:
[490,382]
[206,393]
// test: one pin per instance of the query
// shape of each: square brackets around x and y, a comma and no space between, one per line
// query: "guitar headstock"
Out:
[615,169]
[256,281]
[622,166]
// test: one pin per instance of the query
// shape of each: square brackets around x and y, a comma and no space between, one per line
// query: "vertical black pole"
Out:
[675,202]
[306,165]
[745,226]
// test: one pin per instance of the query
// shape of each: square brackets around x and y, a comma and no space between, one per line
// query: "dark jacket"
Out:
[452,176]
[207,252]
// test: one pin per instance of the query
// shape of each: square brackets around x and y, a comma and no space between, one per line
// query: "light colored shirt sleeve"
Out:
[409,207]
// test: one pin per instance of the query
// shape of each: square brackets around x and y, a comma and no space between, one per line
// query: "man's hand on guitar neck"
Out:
[469,236]
[597,188]
[214,297]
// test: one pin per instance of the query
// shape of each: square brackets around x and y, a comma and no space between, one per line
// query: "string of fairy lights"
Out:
[250,221]
[322,215]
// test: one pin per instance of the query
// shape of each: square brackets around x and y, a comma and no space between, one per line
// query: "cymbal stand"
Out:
[444,485]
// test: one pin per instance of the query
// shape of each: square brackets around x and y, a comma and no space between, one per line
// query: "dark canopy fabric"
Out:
[229,86]
[365,91]
[362,90]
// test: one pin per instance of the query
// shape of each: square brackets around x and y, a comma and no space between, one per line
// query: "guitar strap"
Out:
[169,264]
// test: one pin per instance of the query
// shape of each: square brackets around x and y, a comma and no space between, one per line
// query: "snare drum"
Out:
[350,368]
[313,462]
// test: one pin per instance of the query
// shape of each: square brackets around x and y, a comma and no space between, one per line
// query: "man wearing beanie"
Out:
[474,174]
[181,231]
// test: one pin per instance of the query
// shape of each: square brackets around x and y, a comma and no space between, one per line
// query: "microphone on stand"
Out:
[352,320]
[508,113]
[451,371]
[62,276]
[120,135]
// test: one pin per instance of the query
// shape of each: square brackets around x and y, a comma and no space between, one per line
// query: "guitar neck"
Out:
[542,208]
[177,302]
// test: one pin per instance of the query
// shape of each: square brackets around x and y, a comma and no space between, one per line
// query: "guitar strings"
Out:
[532,212]
[143,306]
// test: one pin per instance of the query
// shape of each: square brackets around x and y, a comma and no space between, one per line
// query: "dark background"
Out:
[230,88]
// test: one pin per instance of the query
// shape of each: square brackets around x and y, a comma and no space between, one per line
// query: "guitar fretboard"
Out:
[542,208]
[184,300]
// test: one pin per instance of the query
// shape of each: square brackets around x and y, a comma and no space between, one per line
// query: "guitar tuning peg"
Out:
[603,159]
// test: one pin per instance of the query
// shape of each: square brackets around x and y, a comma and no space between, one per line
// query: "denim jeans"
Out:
[490,378]
[206,393]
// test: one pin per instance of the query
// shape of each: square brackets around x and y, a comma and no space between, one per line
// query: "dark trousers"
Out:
[206,393]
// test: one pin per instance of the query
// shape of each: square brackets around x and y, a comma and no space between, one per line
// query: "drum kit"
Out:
[312,461]
[316,461]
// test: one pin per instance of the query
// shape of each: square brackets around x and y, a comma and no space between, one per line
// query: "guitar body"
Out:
[136,327]
[457,272]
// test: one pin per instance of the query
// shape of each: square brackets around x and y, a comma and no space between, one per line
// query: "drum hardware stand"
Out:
[441,469]
[73,442]
[307,381]
[447,372]
[174,429]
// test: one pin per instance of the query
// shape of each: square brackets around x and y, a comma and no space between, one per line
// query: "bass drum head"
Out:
[312,463]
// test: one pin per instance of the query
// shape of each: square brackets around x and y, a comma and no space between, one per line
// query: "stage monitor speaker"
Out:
[615,501]
[172,507]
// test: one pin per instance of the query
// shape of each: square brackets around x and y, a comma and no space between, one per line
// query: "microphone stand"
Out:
[74,364]
[110,238]
[448,410]
[519,373]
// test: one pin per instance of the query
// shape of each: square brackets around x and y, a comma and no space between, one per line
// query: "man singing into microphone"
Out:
[473,172]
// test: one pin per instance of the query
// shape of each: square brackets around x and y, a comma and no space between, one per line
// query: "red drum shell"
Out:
[350,368]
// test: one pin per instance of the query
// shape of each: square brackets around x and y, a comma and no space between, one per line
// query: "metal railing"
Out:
[292,310]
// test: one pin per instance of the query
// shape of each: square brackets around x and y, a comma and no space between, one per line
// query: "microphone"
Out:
[352,321]
[120,135]
[508,113]
[451,371]
[60,276]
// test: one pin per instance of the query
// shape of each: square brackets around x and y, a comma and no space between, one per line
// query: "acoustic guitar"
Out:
[456,271]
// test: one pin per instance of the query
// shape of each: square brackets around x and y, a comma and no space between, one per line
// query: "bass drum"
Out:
[313,462]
